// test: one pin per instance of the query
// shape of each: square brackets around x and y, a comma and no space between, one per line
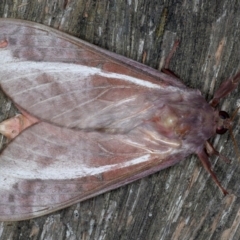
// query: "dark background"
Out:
[181,202]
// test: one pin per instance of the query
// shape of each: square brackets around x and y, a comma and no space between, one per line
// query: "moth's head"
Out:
[224,122]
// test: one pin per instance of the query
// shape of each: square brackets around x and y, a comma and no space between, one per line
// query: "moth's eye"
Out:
[223,115]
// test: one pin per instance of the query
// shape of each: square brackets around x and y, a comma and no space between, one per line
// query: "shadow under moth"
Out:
[91,120]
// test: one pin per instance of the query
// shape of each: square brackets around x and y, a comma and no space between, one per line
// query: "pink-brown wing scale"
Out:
[48,167]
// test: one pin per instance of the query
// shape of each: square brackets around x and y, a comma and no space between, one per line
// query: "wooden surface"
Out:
[181,202]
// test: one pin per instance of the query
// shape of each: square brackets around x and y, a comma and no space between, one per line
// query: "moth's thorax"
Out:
[188,118]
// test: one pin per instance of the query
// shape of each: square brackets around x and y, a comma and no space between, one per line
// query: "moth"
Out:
[91,120]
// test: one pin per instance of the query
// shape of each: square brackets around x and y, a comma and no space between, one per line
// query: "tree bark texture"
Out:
[181,202]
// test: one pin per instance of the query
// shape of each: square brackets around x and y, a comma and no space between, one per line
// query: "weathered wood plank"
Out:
[181,202]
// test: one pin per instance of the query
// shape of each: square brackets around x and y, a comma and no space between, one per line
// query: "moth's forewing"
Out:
[42,69]
[48,167]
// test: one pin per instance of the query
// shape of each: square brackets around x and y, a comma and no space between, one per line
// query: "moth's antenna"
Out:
[231,134]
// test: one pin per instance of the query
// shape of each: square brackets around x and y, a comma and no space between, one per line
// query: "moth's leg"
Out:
[212,151]
[207,165]
[225,88]
[170,55]
[166,69]
[12,127]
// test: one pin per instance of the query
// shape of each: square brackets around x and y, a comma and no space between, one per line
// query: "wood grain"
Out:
[180,202]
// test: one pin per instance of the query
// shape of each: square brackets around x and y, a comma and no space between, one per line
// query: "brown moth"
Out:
[93,120]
